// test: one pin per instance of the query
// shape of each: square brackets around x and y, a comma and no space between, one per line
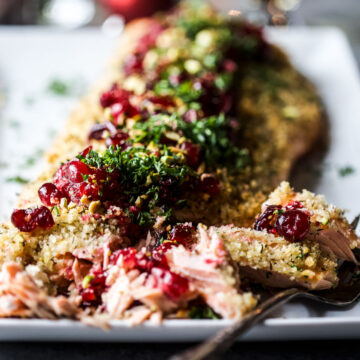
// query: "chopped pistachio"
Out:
[205,38]
[136,84]
[94,206]
[87,280]
[192,66]
[324,220]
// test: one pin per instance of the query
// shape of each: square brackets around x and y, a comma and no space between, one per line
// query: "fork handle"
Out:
[223,340]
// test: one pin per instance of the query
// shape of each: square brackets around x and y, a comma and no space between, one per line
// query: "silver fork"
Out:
[346,293]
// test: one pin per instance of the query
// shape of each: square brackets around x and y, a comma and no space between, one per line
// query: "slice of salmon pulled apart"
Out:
[140,289]
[328,226]
[21,296]
[213,274]
[273,261]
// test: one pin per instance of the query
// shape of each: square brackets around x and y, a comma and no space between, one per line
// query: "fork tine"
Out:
[355,222]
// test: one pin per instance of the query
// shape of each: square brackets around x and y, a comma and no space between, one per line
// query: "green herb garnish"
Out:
[17,179]
[203,312]
[141,175]
[59,87]
[346,171]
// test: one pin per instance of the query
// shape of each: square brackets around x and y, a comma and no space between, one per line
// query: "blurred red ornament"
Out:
[131,9]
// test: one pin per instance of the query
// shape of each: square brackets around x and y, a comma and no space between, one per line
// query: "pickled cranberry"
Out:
[158,254]
[210,184]
[76,170]
[49,194]
[164,101]
[149,39]
[192,153]
[293,205]
[132,259]
[85,151]
[211,99]
[267,218]
[91,295]
[293,224]
[133,63]
[88,296]
[229,65]
[182,233]
[171,284]
[75,179]
[118,140]
[128,257]
[119,101]
[114,95]
[97,130]
[117,109]
[28,220]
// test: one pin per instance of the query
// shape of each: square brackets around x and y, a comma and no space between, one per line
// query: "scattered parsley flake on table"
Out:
[17,179]
[346,171]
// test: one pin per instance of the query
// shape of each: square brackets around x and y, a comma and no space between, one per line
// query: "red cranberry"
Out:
[117,109]
[144,263]
[149,39]
[267,218]
[28,220]
[211,99]
[97,130]
[210,184]
[114,95]
[133,63]
[192,153]
[171,284]
[293,224]
[181,233]
[229,65]
[88,296]
[85,151]
[118,140]
[75,179]
[75,171]
[91,296]
[128,257]
[293,205]
[164,101]
[158,254]
[49,194]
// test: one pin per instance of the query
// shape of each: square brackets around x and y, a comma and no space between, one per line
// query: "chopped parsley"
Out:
[346,171]
[59,87]
[144,177]
[17,179]
[210,133]
[65,88]
[203,312]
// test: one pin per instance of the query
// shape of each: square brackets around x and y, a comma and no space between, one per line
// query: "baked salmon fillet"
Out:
[176,133]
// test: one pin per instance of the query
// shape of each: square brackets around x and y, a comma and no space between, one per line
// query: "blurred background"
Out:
[111,14]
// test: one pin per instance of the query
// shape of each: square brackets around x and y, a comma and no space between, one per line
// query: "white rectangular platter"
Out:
[30,58]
